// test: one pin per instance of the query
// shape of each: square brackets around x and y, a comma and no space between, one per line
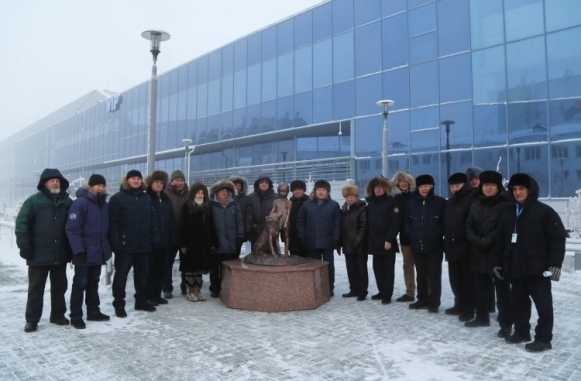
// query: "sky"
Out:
[56,51]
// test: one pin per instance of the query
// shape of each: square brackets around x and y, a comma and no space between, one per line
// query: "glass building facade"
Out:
[298,99]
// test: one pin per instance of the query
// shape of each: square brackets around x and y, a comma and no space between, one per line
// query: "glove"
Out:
[27,254]
[81,257]
[497,270]
[335,245]
[184,250]
[239,241]
[556,273]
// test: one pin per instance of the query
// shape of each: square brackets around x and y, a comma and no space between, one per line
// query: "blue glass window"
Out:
[426,141]
[322,63]
[285,36]
[285,75]
[192,74]
[423,48]
[327,146]
[253,84]
[489,76]
[453,26]
[396,86]
[366,132]
[227,92]
[425,118]
[202,129]
[490,125]
[562,14]
[269,41]
[322,105]
[526,70]
[456,78]
[460,133]
[424,84]
[367,93]
[226,130]
[342,15]
[285,113]
[306,148]
[565,176]
[523,18]
[202,100]
[253,116]
[303,29]
[227,59]
[398,132]
[303,109]
[394,41]
[322,22]
[239,123]
[268,119]
[182,78]
[214,97]
[240,88]
[203,69]
[240,54]
[213,130]
[527,122]
[303,69]
[422,20]
[215,65]
[565,119]
[495,159]
[254,48]
[416,3]
[564,60]
[487,24]
[344,100]
[367,53]
[343,57]
[192,102]
[173,107]
[391,7]
[531,160]
[268,80]
[368,13]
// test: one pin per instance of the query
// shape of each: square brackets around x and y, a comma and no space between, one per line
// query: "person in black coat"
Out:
[530,251]
[480,231]
[354,242]
[259,206]
[383,221]
[197,239]
[424,222]
[457,247]
[298,189]
[241,185]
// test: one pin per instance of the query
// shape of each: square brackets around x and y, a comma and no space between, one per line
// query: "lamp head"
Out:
[384,104]
[156,37]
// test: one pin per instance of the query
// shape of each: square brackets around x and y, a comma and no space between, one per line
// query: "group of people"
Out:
[499,245]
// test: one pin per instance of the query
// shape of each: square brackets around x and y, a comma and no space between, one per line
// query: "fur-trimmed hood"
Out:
[403,175]
[220,184]
[240,179]
[375,181]
[125,185]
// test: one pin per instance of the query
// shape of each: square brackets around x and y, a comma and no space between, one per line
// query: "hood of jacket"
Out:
[375,181]
[533,190]
[52,173]
[240,179]
[220,184]
[86,191]
[263,177]
[403,175]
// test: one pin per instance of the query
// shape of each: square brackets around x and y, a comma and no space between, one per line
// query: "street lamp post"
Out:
[156,37]
[187,143]
[447,123]
[384,104]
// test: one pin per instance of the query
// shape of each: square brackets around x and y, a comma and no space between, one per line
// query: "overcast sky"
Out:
[55,51]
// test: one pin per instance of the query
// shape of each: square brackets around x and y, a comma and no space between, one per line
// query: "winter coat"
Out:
[354,228]
[88,226]
[540,242]
[319,223]
[481,229]
[401,200]
[228,220]
[178,199]
[198,235]
[384,221]
[456,244]
[295,245]
[424,222]
[259,206]
[132,221]
[242,197]
[40,224]
[165,219]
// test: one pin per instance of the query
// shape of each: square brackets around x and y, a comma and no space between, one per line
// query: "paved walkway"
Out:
[342,340]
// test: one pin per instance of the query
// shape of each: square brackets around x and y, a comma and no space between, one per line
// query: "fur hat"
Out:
[457,178]
[177,174]
[322,184]
[350,190]
[195,188]
[157,176]
[425,180]
[133,173]
[405,176]
[473,172]
[298,184]
[491,177]
[520,179]
[377,181]
[97,179]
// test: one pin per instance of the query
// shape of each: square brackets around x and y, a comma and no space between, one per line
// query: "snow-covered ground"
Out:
[342,340]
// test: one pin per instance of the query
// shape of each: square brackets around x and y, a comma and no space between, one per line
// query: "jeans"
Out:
[58,286]
[123,263]
[328,256]
[86,280]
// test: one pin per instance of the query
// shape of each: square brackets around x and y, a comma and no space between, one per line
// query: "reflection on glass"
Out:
[490,125]
[565,119]
[527,122]
[344,100]
[486,22]
[367,92]
[489,75]
[367,51]
[526,70]
[343,57]
[531,159]
[453,27]
[424,84]
[562,14]
[396,86]
[456,78]
[342,15]
[394,39]
[523,18]
[564,60]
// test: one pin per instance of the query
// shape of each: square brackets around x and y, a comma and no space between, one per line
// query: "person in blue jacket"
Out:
[132,234]
[87,228]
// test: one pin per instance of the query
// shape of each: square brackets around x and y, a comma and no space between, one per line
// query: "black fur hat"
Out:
[458,178]
[298,184]
[425,180]
[491,177]
[521,179]
[322,184]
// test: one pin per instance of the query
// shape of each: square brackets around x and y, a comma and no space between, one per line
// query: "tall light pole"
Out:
[384,104]
[156,37]
[187,143]
[447,123]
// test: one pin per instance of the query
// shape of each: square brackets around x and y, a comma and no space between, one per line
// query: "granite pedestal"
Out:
[275,288]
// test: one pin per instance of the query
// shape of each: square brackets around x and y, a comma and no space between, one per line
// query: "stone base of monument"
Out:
[275,288]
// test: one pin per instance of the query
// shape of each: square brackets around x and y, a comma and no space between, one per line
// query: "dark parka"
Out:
[456,244]
[319,223]
[383,218]
[178,199]
[88,226]
[259,206]
[481,229]
[241,197]
[424,222]
[294,242]
[401,199]
[132,221]
[540,240]
[165,219]
[354,228]
[40,224]
[228,220]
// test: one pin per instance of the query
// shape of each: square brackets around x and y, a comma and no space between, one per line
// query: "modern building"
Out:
[298,100]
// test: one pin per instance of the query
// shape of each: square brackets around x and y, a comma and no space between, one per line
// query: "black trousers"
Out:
[216,273]
[539,289]
[37,276]
[357,273]
[123,264]
[462,284]
[504,303]
[482,284]
[157,272]
[384,271]
[429,274]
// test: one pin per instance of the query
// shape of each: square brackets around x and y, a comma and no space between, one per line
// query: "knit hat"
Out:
[473,172]
[96,179]
[520,179]
[491,177]
[350,190]
[298,184]
[177,174]
[134,173]
[458,178]
[322,184]
[424,180]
